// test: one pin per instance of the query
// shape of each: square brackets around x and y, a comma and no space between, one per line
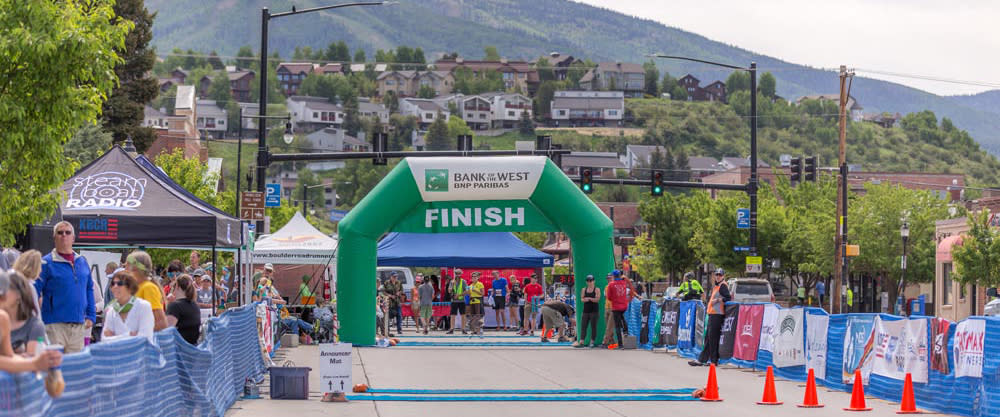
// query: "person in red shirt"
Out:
[531,291]
[619,293]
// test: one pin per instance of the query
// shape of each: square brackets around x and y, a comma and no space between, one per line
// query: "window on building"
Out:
[562,112]
[468,115]
[961,292]
[946,278]
[315,115]
[510,113]
[428,115]
[390,82]
[612,112]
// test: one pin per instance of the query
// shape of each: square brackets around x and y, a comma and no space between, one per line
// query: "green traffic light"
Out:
[657,190]
[586,187]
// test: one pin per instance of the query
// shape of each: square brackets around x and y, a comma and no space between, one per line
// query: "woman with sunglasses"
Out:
[127,315]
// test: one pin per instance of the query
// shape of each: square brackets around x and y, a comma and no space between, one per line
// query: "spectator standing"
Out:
[516,304]
[195,262]
[394,290]
[716,310]
[691,289]
[554,315]
[458,290]
[532,298]
[126,314]
[10,362]
[67,291]
[25,325]
[591,297]
[609,317]
[29,265]
[620,294]
[204,293]
[415,301]
[801,294]
[183,313]
[499,294]
[139,264]
[476,306]
[425,295]
[820,291]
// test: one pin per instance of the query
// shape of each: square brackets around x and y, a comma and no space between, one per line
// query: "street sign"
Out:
[251,199]
[335,367]
[273,196]
[741,248]
[251,213]
[755,264]
[742,218]
[852,250]
[754,269]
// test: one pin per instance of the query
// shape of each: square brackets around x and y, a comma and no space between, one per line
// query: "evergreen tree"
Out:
[437,135]
[245,58]
[669,165]
[526,126]
[215,61]
[190,58]
[219,90]
[418,56]
[768,85]
[737,81]
[683,166]
[359,56]
[123,112]
[651,87]
[668,83]
[491,53]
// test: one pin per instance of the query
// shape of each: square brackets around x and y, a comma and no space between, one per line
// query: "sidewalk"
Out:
[539,367]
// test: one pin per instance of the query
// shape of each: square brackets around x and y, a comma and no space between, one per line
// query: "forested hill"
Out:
[525,29]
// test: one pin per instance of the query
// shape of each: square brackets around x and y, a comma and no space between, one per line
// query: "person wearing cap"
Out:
[690,289]
[716,310]
[620,294]
[498,291]
[394,290]
[591,297]
[418,280]
[458,290]
[204,293]
[476,307]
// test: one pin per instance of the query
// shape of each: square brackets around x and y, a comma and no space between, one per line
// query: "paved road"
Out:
[538,367]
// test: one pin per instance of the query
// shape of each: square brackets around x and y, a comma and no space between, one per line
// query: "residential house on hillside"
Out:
[425,110]
[179,74]
[885,120]
[616,76]
[249,109]
[204,84]
[329,69]
[336,140]
[507,108]
[177,131]
[588,108]
[291,74]
[715,91]
[369,110]
[240,83]
[154,118]
[313,113]
[852,105]
[637,156]
[559,64]
[475,110]
[166,83]
[210,119]
[517,75]
[408,83]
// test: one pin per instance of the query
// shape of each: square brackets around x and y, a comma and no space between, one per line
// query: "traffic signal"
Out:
[587,180]
[811,168]
[796,169]
[656,183]
[380,144]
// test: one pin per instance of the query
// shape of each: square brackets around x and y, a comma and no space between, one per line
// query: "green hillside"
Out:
[524,29]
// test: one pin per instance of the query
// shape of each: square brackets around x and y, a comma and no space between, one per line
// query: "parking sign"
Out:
[742,218]
[273,196]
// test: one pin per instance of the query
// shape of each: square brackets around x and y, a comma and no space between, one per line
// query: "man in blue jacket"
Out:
[67,292]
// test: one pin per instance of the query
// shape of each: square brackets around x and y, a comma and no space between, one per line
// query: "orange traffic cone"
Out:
[810,400]
[770,397]
[712,388]
[908,405]
[858,394]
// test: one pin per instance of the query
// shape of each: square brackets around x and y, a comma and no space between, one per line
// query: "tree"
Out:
[335,87]
[437,135]
[678,93]
[43,101]
[645,258]
[491,53]
[215,61]
[682,166]
[526,126]
[359,56]
[737,81]
[673,219]
[418,56]
[88,143]
[338,52]
[457,127]
[668,84]
[768,85]
[652,76]
[123,112]
[245,58]
[219,90]
[544,68]
[401,131]
[426,91]
[391,102]
[977,259]
[357,179]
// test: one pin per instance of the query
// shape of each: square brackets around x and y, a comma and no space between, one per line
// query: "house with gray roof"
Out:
[425,110]
[313,113]
[210,119]
[588,108]
[617,76]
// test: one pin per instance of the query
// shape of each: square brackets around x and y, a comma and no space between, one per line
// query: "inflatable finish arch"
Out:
[471,194]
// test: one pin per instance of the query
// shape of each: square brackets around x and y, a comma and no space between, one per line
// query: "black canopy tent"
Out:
[116,201]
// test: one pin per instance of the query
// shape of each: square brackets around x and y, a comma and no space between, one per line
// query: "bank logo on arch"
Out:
[486,178]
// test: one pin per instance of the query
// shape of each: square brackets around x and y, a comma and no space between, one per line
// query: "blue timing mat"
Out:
[514,344]
[451,336]
[685,391]
[472,398]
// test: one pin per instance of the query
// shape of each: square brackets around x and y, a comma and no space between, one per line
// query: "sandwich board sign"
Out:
[335,366]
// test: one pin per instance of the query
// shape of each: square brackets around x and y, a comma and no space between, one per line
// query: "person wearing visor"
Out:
[716,310]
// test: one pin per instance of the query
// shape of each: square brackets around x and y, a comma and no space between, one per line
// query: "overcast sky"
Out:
[956,40]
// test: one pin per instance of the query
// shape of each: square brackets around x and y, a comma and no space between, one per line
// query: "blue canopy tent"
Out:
[463,250]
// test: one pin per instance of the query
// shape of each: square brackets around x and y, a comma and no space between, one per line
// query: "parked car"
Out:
[671,292]
[751,290]
[993,307]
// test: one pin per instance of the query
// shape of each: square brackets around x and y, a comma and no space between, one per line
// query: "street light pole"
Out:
[904,232]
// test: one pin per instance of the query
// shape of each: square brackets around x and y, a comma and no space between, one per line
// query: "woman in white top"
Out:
[127,315]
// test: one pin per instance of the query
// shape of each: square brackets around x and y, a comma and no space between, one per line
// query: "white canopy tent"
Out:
[301,244]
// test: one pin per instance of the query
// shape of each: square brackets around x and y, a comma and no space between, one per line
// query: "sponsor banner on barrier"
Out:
[727,338]
[816,328]
[939,338]
[685,325]
[969,337]
[484,178]
[748,332]
[669,327]
[699,326]
[789,341]
[647,307]
[767,326]
[900,348]
[858,344]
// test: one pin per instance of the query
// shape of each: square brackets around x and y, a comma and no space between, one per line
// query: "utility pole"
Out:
[840,268]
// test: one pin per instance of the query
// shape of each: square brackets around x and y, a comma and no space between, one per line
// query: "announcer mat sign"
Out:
[488,178]
[335,366]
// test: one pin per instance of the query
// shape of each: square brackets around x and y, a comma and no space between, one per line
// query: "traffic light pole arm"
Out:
[669,184]
[335,156]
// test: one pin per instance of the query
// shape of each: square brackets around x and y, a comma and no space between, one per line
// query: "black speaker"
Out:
[39,236]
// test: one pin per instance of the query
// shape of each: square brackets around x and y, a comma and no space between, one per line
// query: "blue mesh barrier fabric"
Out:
[132,377]
[654,326]
[633,317]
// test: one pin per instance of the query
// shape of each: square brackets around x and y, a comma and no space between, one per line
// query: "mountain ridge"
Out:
[526,29]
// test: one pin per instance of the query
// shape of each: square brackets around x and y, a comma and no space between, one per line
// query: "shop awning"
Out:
[944,248]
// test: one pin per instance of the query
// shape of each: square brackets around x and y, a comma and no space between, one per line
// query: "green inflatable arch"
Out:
[447,194]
